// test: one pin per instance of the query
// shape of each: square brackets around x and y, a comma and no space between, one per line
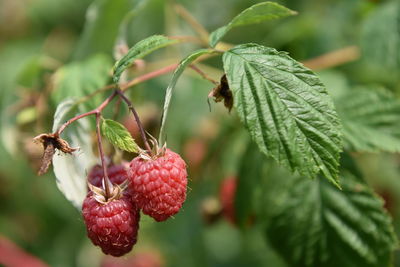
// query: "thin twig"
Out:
[148,76]
[203,74]
[192,21]
[139,124]
[334,58]
[92,112]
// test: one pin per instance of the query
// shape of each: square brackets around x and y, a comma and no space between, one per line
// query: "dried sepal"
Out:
[156,150]
[222,92]
[116,192]
[50,143]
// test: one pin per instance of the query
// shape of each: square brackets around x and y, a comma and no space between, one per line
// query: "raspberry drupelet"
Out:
[158,183]
[112,225]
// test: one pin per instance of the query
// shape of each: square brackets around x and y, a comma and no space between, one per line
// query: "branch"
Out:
[192,21]
[139,124]
[334,58]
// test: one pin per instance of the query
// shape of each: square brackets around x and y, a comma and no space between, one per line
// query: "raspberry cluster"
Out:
[156,184]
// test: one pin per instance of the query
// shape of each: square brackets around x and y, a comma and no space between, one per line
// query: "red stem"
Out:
[149,76]
[92,112]
[139,124]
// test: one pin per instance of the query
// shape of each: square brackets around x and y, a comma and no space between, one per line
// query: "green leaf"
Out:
[71,170]
[380,40]
[102,16]
[255,14]
[249,183]
[286,109]
[319,225]
[140,50]
[370,120]
[81,78]
[118,135]
[177,73]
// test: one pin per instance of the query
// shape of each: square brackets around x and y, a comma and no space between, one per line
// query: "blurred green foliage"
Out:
[41,40]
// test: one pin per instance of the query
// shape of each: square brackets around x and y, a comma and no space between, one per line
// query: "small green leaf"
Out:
[140,50]
[370,119]
[255,14]
[118,135]
[177,73]
[319,225]
[286,109]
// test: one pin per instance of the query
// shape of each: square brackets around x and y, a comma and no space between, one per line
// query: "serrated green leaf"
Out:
[81,78]
[140,50]
[286,109]
[370,119]
[118,135]
[380,40]
[71,169]
[255,14]
[177,73]
[319,225]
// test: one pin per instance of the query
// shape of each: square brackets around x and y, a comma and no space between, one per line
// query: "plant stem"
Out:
[333,58]
[202,74]
[185,14]
[139,124]
[94,111]
[149,76]
[106,182]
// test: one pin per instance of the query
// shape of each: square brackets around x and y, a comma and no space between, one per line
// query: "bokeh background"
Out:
[44,41]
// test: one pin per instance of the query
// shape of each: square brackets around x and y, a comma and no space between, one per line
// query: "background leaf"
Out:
[319,225]
[380,39]
[140,50]
[81,78]
[177,73]
[255,14]
[71,169]
[118,135]
[370,120]
[102,16]
[286,109]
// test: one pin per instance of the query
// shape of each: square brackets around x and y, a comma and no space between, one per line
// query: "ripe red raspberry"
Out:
[116,173]
[113,226]
[158,185]
[227,196]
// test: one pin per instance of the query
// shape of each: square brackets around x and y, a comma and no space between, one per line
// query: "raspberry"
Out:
[158,184]
[113,225]
[227,196]
[116,173]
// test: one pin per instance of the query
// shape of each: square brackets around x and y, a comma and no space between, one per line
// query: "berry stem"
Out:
[106,182]
[137,119]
